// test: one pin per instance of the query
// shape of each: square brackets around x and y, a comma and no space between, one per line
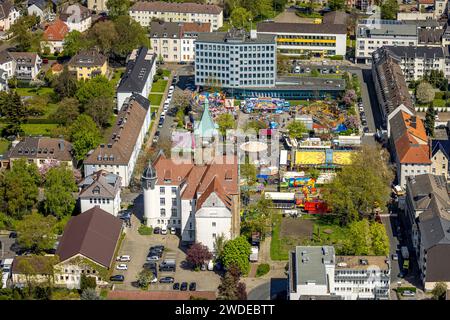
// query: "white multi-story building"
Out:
[102,188]
[374,34]
[145,12]
[7,64]
[120,154]
[138,76]
[174,41]
[76,17]
[8,15]
[200,201]
[297,39]
[235,59]
[315,272]
[416,61]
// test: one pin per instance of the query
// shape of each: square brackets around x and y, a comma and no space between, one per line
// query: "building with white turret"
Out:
[200,200]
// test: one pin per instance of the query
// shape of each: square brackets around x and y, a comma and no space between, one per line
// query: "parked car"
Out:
[124,258]
[164,230]
[152,258]
[161,122]
[154,253]
[156,137]
[361,108]
[154,279]
[158,247]
[364,123]
[183,286]
[117,277]
[408,293]
[171,88]
[166,280]
[157,230]
[394,256]
[176,286]
[13,235]
[192,286]
[122,266]
[366,130]
[173,230]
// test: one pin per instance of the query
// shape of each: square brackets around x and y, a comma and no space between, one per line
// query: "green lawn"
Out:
[34,91]
[166,73]
[159,86]
[298,102]
[276,245]
[117,75]
[4,146]
[38,129]
[155,98]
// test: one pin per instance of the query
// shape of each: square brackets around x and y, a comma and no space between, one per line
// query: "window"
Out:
[162,190]
[174,190]
[163,212]
[214,235]
[162,201]
[213,224]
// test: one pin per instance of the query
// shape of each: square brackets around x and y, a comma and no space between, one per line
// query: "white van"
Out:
[297,69]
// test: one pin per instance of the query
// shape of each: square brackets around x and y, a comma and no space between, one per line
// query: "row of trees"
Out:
[37,221]
[241,12]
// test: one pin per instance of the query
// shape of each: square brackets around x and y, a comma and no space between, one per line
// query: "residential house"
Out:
[3,80]
[440,156]
[88,246]
[138,76]
[120,154]
[7,64]
[299,39]
[87,64]
[409,145]
[42,151]
[97,5]
[174,41]
[144,12]
[102,188]
[76,17]
[54,36]
[428,216]
[316,273]
[27,66]
[41,8]
[9,13]
[200,201]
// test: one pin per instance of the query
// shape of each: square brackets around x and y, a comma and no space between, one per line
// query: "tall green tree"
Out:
[13,111]
[96,87]
[379,238]
[36,232]
[84,135]
[439,291]
[360,236]
[59,188]
[240,17]
[389,10]
[296,129]
[19,188]
[336,4]
[117,8]
[424,92]
[236,252]
[361,186]
[225,121]
[101,110]
[430,120]
[68,110]
[74,41]
[103,34]
[248,171]
[65,85]
[131,35]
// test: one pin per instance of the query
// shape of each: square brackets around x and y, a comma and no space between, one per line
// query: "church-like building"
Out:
[199,198]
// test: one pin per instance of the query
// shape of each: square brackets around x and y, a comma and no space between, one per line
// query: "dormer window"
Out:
[96,190]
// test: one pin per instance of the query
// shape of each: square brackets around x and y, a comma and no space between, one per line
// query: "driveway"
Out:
[137,247]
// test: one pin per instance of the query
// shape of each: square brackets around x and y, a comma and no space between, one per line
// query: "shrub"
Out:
[337,57]
[263,269]
[144,230]
[402,289]
[439,95]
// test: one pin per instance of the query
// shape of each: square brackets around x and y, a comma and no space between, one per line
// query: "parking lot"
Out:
[137,246]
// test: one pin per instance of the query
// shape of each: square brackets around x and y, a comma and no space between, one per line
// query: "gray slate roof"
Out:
[416,51]
[137,71]
[101,184]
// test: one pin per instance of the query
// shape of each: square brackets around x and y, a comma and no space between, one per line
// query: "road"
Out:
[390,224]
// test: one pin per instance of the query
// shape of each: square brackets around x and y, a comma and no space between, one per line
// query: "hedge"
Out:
[145,231]
[337,57]
[263,269]
[402,289]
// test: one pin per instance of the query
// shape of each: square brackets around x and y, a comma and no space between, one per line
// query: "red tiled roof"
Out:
[214,187]
[160,295]
[159,6]
[426,1]
[56,31]
[195,27]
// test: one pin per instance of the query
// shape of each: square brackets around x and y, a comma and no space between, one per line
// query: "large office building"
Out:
[235,59]
[316,273]
[144,12]
[373,34]
[298,39]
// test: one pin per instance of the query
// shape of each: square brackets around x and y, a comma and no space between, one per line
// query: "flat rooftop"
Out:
[361,262]
[310,263]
